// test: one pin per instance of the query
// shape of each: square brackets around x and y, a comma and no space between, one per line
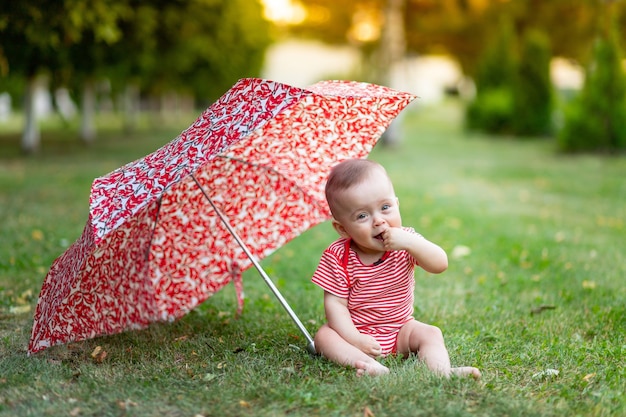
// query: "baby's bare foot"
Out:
[370,368]
[466,371]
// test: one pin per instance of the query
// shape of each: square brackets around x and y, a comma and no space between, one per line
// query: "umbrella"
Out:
[167,231]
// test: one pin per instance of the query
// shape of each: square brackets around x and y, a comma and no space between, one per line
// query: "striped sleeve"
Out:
[330,274]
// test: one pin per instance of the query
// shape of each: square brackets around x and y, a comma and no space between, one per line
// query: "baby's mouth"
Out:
[379,237]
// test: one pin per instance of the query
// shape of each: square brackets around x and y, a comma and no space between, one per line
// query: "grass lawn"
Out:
[534,296]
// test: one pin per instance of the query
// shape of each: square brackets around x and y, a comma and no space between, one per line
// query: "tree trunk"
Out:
[130,106]
[391,51]
[31,135]
[88,110]
[392,47]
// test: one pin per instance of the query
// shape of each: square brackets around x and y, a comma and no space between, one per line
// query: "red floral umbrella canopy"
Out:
[153,247]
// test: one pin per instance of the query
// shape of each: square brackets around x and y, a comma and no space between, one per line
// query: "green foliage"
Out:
[514,92]
[199,47]
[497,66]
[596,120]
[525,230]
[569,25]
[492,109]
[462,29]
[532,90]
[31,35]
[204,47]
[14,86]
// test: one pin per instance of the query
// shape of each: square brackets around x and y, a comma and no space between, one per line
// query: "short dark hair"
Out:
[347,174]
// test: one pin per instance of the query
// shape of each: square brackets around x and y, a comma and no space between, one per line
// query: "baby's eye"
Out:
[361,216]
[386,207]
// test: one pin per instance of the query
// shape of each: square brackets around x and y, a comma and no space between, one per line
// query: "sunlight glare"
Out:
[284,11]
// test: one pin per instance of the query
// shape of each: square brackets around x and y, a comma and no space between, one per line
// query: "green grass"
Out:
[524,227]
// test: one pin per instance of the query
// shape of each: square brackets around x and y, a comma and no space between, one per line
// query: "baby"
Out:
[368,277]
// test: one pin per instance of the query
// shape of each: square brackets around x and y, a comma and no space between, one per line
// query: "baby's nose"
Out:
[378,219]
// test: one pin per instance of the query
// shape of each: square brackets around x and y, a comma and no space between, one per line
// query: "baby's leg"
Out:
[329,344]
[427,341]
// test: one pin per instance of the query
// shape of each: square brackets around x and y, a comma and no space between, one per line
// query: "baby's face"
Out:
[366,210]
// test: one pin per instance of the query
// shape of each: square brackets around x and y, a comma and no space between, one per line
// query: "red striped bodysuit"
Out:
[380,296]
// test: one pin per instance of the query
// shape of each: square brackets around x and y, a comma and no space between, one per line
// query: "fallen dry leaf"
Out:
[589,285]
[244,404]
[367,412]
[25,296]
[98,354]
[460,251]
[37,235]
[588,377]
[126,404]
[559,236]
[20,309]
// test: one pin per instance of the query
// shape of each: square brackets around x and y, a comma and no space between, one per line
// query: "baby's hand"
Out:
[395,238]
[369,346]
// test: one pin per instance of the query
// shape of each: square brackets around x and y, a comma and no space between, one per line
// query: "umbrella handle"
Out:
[310,344]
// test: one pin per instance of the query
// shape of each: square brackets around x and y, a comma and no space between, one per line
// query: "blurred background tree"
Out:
[194,47]
[157,49]
[514,88]
[596,119]
[458,28]
[35,36]
[492,110]
[532,87]
[505,46]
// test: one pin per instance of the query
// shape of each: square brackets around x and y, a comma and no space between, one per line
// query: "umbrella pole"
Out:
[310,344]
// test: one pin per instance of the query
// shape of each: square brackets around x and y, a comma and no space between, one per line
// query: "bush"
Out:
[532,91]
[492,109]
[596,119]
[513,95]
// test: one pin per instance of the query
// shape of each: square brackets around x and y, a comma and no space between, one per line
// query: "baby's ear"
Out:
[339,228]
[397,201]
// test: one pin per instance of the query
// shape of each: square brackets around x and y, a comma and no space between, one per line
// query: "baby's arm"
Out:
[339,320]
[430,256]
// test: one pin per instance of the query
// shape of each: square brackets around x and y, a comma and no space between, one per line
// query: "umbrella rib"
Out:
[266,278]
